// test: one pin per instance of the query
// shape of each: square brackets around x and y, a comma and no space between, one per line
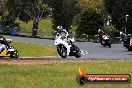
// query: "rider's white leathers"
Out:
[2,46]
[66,41]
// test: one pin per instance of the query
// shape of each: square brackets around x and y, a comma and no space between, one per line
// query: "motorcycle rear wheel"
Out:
[14,54]
[78,54]
[109,45]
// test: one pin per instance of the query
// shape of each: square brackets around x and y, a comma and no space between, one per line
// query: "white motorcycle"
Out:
[105,41]
[65,46]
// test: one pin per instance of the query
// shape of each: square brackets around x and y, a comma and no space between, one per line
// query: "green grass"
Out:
[60,75]
[45,26]
[30,50]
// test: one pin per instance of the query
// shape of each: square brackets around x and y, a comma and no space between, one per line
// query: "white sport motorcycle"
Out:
[105,41]
[65,46]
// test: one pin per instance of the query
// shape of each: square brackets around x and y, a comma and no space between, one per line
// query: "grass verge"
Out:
[44,27]
[33,50]
[60,75]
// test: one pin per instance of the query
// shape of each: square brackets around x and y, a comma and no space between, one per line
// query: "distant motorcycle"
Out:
[128,42]
[129,46]
[105,41]
[65,45]
[123,39]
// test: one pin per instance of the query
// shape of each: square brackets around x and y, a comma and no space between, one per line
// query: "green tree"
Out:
[83,5]
[111,31]
[118,9]
[86,4]
[90,22]
[2,7]
[27,10]
[63,12]
[8,24]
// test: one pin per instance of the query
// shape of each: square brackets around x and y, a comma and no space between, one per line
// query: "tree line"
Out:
[87,15]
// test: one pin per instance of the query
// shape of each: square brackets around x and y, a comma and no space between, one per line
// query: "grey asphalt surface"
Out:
[95,50]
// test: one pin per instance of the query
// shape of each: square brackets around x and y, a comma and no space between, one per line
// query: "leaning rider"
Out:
[101,33]
[3,44]
[67,38]
[122,37]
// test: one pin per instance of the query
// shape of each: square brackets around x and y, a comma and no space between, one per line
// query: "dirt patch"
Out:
[19,62]
[30,62]
[47,61]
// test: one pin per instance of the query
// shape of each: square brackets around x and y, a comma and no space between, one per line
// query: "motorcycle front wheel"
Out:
[109,44]
[62,51]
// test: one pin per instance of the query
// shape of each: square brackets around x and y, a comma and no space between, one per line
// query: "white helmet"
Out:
[99,30]
[59,27]
[121,32]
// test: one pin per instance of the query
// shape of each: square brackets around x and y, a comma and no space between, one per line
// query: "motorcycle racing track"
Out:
[90,50]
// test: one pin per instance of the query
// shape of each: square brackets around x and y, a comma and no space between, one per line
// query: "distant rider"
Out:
[101,33]
[122,37]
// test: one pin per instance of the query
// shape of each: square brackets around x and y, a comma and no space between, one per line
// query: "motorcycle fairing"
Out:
[59,41]
[4,53]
